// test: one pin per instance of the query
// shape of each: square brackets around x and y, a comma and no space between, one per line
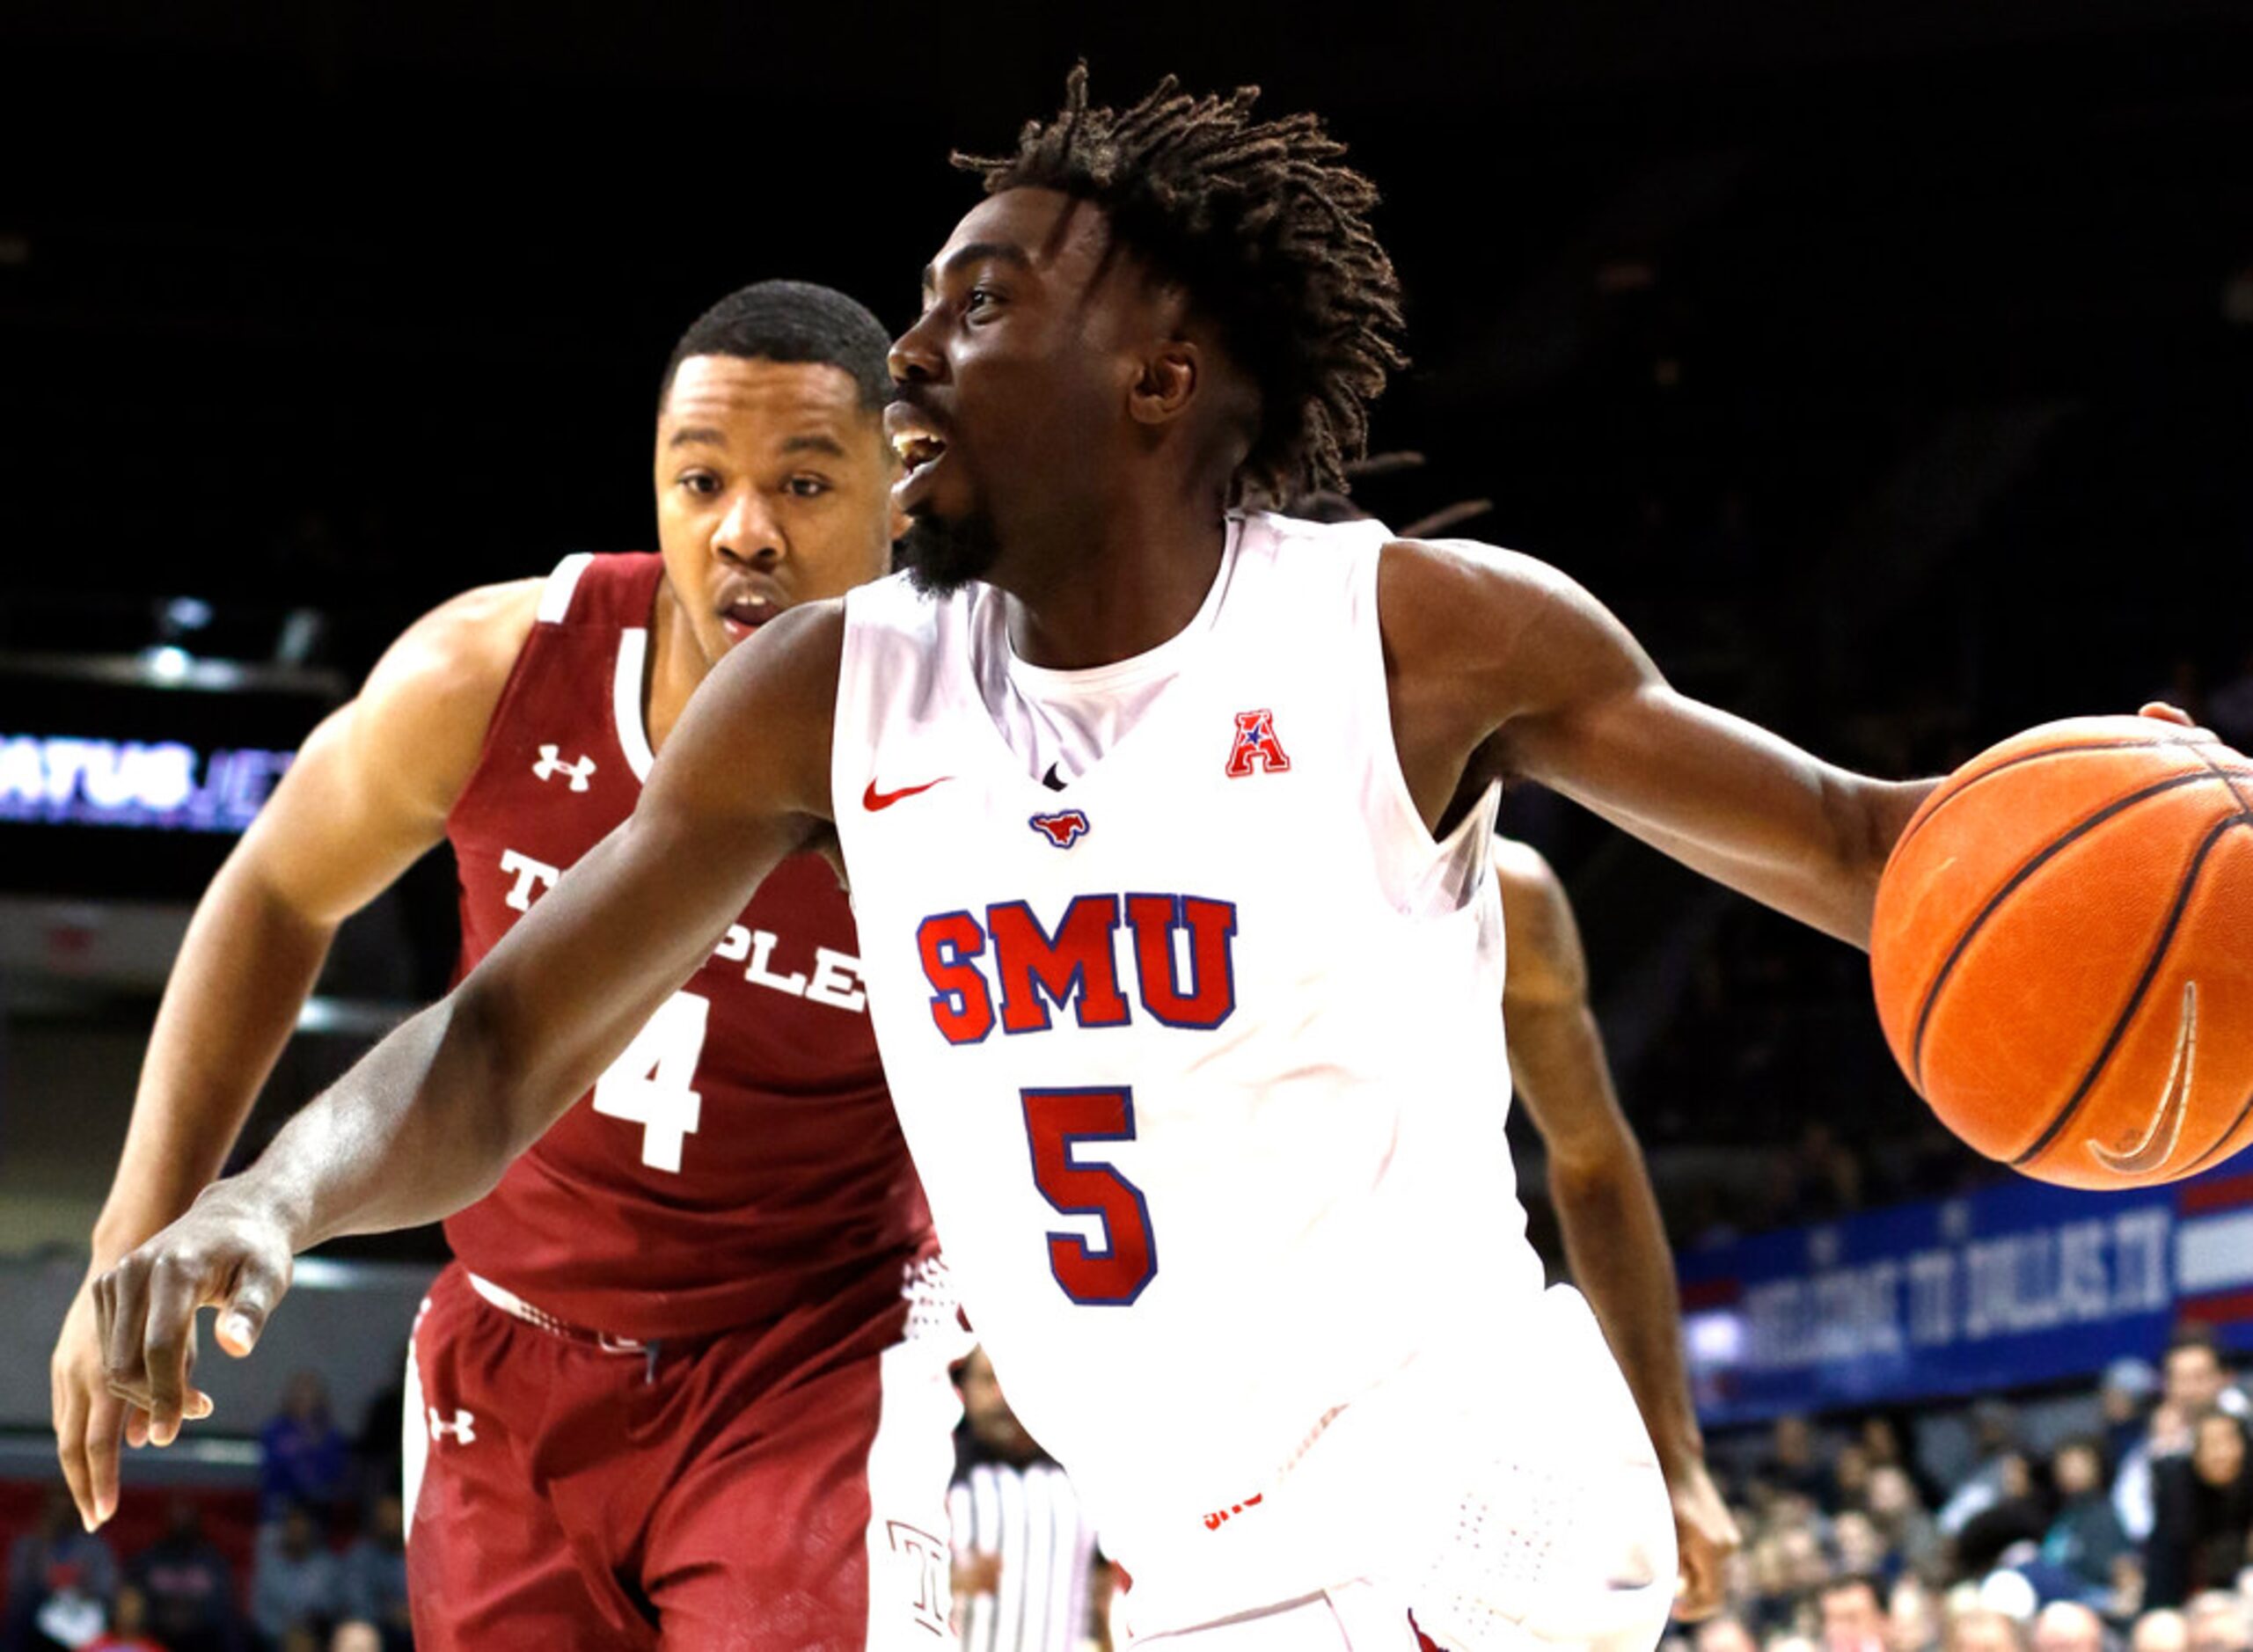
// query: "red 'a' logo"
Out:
[1255,742]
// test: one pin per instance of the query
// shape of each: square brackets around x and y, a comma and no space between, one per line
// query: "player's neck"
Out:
[1114,587]
[676,665]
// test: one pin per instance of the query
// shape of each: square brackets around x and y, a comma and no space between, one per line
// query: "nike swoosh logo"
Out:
[873,800]
[2166,1128]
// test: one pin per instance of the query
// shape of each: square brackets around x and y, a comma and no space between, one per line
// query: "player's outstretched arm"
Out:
[1498,656]
[429,1119]
[368,793]
[1613,1235]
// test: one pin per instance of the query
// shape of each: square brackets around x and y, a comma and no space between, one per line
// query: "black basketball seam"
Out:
[2157,739]
[2048,851]
[2243,1113]
[2244,808]
[2182,894]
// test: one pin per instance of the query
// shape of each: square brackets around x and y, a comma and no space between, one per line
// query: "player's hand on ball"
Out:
[1705,1536]
[227,1253]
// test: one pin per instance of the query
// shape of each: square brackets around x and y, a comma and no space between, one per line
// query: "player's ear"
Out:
[1167,383]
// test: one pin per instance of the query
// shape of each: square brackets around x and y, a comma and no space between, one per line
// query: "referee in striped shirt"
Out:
[1027,1577]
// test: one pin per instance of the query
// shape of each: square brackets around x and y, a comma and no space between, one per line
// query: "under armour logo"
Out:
[551,764]
[462,1428]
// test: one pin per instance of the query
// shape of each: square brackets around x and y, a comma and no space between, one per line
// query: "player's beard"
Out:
[940,556]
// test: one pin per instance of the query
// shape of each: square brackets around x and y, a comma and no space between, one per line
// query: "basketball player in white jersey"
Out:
[1196,1056]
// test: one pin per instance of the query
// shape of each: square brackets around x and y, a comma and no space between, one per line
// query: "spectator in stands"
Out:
[1899,1513]
[2218,1621]
[2194,1380]
[189,1585]
[296,1586]
[1724,1634]
[377,1447]
[1860,1547]
[128,1630]
[2125,1400]
[1794,1463]
[305,1459]
[1909,1609]
[2084,1538]
[1854,1614]
[374,1576]
[357,1637]
[1983,1629]
[2162,1629]
[60,1582]
[2067,1626]
[2204,1512]
[2016,1515]
[1994,1434]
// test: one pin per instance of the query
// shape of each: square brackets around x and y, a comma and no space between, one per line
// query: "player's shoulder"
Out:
[467,644]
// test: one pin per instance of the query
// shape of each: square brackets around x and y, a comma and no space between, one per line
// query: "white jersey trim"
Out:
[562,585]
[626,700]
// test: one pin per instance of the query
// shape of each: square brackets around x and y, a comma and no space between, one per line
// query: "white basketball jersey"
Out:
[1201,1058]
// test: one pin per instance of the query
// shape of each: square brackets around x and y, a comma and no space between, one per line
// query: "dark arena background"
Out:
[1889,368]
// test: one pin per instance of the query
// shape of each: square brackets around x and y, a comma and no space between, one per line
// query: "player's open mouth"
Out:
[745,615]
[919,448]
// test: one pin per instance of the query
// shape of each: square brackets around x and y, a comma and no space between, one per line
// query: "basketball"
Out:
[2063,952]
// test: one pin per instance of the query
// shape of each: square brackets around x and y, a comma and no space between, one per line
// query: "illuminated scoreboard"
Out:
[131,778]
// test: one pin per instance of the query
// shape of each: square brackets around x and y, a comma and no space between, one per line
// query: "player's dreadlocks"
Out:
[1268,232]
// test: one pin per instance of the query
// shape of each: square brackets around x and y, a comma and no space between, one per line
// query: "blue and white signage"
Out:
[2019,1284]
[74,780]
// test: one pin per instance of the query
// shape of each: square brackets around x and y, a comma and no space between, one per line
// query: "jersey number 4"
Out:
[652,1083]
[1112,1272]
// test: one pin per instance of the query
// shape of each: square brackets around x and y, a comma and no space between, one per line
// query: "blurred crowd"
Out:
[326,1567]
[2127,1529]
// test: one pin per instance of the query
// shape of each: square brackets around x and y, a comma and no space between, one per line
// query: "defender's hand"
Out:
[1705,1536]
[88,1418]
[227,1253]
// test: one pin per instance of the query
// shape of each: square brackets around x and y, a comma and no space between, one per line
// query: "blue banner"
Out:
[2019,1284]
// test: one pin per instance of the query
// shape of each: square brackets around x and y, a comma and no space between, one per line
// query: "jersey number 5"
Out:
[1113,1273]
[652,1083]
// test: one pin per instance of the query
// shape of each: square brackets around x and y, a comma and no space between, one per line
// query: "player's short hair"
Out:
[1267,229]
[2193,1335]
[791,322]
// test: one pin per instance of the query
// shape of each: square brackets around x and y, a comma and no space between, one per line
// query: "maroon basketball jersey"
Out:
[741,1158]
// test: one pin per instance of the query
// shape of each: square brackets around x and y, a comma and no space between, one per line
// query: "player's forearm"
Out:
[418,1129]
[1617,1247]
[243,973]
[1832,886]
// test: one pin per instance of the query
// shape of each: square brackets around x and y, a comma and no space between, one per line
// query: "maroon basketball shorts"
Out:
[780,1487]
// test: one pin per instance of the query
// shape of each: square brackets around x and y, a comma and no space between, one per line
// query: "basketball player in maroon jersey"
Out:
[664,1392]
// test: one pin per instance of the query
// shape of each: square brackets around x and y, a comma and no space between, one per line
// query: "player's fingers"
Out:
[1699,1594]
[168,1345]
[259,1285]
[136,1427]
[105,1421]
[2175,714]
[71,1448]
[121,1294]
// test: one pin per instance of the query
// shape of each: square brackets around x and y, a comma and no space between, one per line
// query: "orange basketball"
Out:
[2063,952]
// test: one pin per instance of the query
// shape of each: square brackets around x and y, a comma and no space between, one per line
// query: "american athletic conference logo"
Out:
[1256,747]
[1063,829]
